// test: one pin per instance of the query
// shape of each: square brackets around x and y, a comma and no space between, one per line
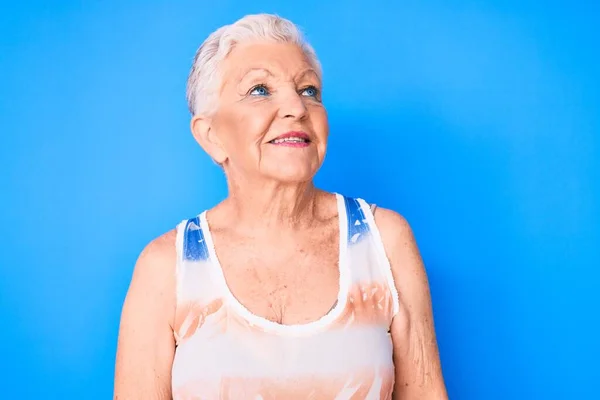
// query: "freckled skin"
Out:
[303,291]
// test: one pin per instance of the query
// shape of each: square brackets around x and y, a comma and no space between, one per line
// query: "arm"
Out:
[146,344]
[416,356]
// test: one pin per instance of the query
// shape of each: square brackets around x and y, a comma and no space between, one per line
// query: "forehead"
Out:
[286,60]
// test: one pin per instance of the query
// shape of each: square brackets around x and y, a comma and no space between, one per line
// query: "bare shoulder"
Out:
[390,222]
[396,234]
[154,274]
[158,252]
[403,253]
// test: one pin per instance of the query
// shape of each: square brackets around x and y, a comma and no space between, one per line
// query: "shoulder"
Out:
[158,252]
[401,248]
[393,227]
[153,282]
[390,220]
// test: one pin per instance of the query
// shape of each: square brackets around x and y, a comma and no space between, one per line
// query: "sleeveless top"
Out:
[224,351]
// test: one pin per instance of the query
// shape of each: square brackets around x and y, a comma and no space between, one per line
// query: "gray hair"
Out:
[204,78]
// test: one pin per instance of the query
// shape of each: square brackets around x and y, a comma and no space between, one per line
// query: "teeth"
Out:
[290,139]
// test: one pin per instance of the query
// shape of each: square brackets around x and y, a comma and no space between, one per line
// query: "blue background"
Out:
[478,121]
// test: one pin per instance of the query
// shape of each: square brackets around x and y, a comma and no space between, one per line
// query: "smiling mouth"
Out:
[291,140]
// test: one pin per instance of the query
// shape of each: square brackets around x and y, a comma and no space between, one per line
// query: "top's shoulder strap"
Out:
[193,244]
[373,208]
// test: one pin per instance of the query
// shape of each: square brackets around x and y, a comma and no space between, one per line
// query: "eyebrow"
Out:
[308,71]
[243,76]
[253,70]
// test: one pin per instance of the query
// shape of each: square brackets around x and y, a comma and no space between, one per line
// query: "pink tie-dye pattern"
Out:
[368,305]
[223,355]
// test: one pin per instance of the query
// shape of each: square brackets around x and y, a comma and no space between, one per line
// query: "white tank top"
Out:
[226,352]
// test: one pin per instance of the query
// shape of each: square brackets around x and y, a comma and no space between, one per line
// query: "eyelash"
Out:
[262,85]
[316,95]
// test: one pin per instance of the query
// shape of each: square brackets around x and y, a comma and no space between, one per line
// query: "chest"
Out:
[288,281]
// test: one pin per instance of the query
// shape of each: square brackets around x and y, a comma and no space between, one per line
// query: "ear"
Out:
[201,127]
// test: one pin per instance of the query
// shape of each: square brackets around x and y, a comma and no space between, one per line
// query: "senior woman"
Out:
[281,291]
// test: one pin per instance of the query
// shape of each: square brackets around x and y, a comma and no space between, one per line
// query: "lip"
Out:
[295,134]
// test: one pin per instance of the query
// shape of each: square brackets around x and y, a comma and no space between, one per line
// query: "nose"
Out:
[292,106]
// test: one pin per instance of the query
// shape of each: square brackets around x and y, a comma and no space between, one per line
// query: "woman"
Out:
[282,291]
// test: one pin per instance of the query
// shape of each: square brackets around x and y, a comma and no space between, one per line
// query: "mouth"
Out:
[292,139]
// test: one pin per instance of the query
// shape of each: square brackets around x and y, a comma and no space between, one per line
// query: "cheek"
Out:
[246,127]
[257,123]
[320,124]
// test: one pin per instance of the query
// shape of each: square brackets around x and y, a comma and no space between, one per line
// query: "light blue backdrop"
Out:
[478,121]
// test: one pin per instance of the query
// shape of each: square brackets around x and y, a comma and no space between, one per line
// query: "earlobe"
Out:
[205,136]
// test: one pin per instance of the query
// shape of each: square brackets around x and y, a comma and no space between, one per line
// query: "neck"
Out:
[269,205]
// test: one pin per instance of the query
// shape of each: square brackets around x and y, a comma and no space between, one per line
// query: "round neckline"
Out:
[266,324]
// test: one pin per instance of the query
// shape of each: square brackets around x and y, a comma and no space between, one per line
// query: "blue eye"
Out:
[310,91]
[259,90]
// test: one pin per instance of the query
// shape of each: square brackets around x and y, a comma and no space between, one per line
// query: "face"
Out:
[270,121]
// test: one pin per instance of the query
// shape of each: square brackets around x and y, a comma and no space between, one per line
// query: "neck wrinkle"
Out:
[272,206]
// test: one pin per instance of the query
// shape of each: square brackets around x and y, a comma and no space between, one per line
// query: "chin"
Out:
[293,174]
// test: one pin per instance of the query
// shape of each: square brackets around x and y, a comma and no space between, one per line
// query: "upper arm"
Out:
[416,356]
[146,343]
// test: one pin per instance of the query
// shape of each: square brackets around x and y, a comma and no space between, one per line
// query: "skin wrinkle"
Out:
[259,75]
[274,279]
[361,308]
[275,239]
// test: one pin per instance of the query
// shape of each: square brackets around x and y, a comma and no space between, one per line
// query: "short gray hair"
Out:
[204,77]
